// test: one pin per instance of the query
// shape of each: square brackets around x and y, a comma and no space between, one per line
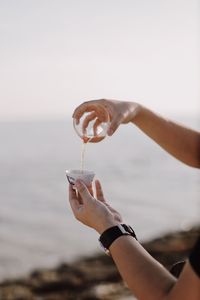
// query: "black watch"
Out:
[112,233]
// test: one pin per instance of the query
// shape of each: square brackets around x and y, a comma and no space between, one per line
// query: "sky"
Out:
[55,54]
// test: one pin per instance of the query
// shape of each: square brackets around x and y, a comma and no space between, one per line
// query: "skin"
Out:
[181,142]
[145,277]
[117,111]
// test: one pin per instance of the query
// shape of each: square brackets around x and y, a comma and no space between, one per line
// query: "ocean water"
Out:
[154,192]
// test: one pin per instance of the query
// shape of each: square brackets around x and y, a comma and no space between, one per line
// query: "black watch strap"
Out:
[194,258]
[112,233]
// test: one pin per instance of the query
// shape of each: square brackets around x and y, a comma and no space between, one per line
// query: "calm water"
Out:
[154,192]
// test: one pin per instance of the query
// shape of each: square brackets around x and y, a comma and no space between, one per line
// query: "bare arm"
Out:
[181,142]
[146,278]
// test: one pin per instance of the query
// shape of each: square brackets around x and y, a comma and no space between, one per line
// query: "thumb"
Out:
[83,191]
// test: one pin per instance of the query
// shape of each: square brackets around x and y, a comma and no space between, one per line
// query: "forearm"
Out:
[181,142]
[145,277]
[148,279]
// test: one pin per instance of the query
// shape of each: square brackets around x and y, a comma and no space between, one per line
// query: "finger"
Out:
[72,192]
[83,191]
[84,107]
[97,106]
[90,189]
[117,120]
[99,191]
[95,126]
[102,113]
[74,203]
[87,120]
[79,198]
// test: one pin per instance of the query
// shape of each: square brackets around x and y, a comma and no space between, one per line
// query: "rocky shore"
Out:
[96,277]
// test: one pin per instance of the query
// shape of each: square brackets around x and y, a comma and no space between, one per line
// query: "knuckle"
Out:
[89,102]
[120,115]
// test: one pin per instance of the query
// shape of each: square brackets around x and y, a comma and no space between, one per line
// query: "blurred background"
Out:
[57,54]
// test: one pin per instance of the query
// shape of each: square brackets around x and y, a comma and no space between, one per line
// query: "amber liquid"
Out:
[83,148]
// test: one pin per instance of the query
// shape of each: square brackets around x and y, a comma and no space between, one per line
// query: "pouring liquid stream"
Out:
[83,148]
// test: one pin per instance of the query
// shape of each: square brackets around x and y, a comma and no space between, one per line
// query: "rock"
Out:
[16,292]
[45,281]
[95,277]
[173,247]
[100,265]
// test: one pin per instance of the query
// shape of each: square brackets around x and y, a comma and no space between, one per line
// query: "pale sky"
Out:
[54,54]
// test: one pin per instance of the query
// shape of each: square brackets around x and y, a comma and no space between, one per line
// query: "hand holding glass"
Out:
[92,125]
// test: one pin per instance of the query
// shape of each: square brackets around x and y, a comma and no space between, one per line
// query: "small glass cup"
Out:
[92,126]
[86,176]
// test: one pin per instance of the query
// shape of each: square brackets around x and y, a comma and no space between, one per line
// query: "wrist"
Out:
[105,225]
[109,236]
[143,117]
[135,111]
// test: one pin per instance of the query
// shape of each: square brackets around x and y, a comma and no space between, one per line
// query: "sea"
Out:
[154,192]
